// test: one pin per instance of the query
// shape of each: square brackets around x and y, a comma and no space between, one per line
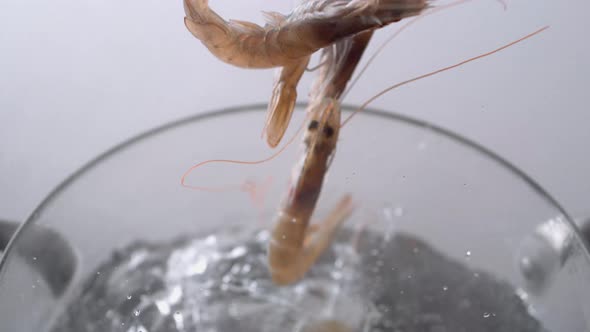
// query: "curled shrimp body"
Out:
[310,27]
[293,249]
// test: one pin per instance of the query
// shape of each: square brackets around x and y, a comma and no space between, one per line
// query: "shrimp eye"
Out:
[313,125]
[328,131]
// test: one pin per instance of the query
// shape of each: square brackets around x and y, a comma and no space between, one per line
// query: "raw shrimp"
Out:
[310,27]
[293,248]
[291,253]
[288,41]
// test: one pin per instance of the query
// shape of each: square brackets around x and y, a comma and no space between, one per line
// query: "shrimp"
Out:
[292,251]
[288,41]
[310,27]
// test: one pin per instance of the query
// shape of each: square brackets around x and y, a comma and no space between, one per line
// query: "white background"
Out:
[77,77]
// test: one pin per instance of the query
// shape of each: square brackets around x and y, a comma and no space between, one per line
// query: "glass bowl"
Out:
[445,236]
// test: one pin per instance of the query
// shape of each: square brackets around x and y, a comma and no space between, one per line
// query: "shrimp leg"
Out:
[291,250]
[318,240]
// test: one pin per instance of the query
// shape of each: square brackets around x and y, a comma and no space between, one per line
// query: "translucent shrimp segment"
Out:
[282,101]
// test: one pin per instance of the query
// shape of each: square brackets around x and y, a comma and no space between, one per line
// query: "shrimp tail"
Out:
[196,9]
[205,24]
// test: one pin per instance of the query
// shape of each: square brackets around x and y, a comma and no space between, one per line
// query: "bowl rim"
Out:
[258,107]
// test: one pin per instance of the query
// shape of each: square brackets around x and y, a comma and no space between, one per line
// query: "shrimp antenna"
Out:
[393,36]
[241,162]
[395,86]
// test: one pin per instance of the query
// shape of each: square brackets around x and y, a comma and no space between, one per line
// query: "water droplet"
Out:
[445,288]
[399,211]
[486,315]
[163,307]
[336,275]
[235,269]
[415,250]
[34,258]
[211,240]
[238,252]
[468,253]
[246,268]
[179,320]
[263,236]
[476,275]
[253,286]
[542,254]
[136,312]
[129,297]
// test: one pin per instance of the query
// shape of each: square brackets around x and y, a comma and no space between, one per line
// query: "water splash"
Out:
[220,283]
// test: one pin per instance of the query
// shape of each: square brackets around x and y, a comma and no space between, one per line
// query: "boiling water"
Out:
[220,283]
